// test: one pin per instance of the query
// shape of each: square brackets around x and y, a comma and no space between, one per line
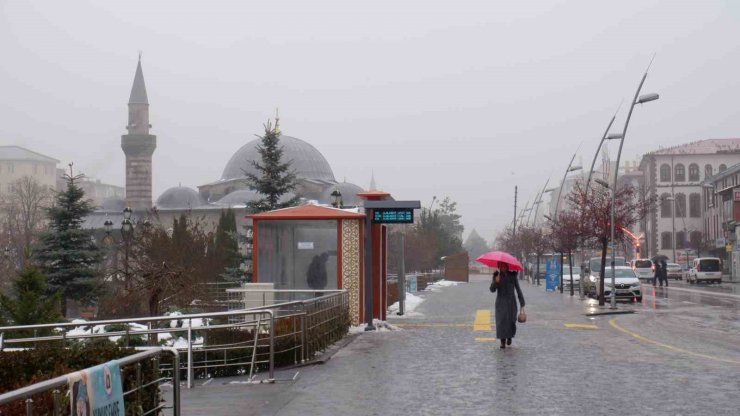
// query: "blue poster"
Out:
[97,391]
[552,275]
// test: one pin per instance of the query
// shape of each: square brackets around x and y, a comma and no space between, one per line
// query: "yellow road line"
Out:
[613,323]
[482,320]
[485,339]
[581,326]
[432,325]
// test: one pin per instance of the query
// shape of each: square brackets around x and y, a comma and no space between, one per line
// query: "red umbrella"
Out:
[493,258]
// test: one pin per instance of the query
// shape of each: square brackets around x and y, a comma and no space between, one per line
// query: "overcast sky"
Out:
[449,98]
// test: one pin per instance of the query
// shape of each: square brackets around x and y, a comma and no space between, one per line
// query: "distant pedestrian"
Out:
[505,282]
[657,274]
[663,273]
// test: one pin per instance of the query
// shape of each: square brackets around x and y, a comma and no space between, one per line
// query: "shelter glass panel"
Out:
[297,254]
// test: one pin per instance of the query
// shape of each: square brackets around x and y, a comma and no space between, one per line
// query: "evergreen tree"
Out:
[226,248]
[67,254]
[475,244]
[30,302]
[276,178]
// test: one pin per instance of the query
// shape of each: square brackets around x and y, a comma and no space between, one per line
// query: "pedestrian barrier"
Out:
[234,342]
[52,393]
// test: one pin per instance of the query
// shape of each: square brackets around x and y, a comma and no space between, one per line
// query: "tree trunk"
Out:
[570,263]
[561,272]
[537,273]
[604,244]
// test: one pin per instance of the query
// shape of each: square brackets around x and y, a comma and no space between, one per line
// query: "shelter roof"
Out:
[307,212]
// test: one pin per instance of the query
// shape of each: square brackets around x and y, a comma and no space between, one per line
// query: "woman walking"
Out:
[505,282]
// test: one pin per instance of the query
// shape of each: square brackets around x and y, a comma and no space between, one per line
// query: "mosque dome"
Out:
[349,193]
[180,197]
[308,162]
[242,196]
[113,204]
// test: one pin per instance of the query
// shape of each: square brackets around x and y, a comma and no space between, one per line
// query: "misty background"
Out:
[449,98]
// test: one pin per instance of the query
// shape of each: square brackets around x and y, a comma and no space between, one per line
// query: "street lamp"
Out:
[127,230]
[638,99]
[336,198]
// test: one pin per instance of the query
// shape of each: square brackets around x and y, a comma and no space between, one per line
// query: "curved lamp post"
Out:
[638,99]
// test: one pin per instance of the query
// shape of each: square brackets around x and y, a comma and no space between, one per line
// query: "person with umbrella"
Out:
[659,262]
[505,284]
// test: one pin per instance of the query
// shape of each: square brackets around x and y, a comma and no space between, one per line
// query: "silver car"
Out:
[627,285]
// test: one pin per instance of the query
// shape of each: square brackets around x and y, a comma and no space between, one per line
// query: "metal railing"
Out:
[58,387]
[235,342]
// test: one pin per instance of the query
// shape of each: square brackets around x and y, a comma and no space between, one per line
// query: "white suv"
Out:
[705,269]
[643,268]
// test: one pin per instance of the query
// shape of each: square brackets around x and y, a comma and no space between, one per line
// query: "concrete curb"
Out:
[326,355]
[621,312]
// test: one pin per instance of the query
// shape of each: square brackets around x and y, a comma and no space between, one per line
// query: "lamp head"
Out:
[574,168]
[614,136]
[645,98]
[108,226]
[127,213]
[602,183]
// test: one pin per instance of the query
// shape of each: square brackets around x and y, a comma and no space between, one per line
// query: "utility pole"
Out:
[515,192]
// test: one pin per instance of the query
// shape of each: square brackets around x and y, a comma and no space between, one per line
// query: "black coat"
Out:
[506,309]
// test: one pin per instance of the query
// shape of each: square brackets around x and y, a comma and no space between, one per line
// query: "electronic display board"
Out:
[393,215]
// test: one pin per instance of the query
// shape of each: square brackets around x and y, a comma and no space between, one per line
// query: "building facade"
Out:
[17,162]
[721,197]
[674,177]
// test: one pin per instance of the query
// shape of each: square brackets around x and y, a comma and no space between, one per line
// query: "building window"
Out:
[665,206]
[681,205]
[722,167]
[707,171]
[693,172]
[665,240]
[694,205]
[681,239]
[695,239]
[680,174]
[665,173]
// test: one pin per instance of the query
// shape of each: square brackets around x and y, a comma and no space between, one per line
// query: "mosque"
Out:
[315,179]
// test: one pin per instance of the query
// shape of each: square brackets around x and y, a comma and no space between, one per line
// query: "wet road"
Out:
[678,354]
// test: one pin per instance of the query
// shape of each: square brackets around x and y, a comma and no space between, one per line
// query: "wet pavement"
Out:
[679,354]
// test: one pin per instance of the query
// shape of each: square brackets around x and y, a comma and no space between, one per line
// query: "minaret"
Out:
[138,145]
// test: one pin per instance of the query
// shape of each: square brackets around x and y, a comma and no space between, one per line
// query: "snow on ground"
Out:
[412,301]
[438,285]
[380,326]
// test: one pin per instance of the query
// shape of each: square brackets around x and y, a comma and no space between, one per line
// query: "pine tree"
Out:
[276,178]
[226,247]
[67,254]
[30,302]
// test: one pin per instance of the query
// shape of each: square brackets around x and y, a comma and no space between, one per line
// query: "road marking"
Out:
[613,323]
[701,292]
[482,320]
[432,325]
[485,339]
[581,326]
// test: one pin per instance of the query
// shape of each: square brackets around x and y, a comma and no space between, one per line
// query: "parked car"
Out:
[705,269]
[566,276]
[594,264]
[627,284]
[644,268]
[674,271]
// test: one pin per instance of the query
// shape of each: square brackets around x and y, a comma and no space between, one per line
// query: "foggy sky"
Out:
[449,98]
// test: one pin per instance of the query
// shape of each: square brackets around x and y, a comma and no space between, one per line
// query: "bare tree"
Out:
[593,209]
[22,218]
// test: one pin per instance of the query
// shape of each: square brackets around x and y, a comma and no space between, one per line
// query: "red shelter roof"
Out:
[306,212]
